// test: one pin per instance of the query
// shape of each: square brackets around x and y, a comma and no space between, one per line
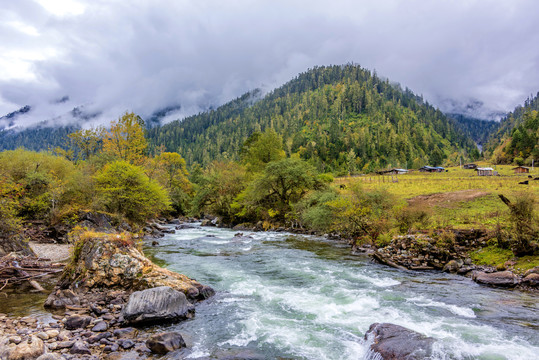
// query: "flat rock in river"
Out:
[499,278]
[394,342]
[157,304]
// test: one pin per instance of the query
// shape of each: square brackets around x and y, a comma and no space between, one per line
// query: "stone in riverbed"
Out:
[157,304]
[30,349]
[531,280]
[77,321]
[165,342]
[81,348]
[499,278]
[50,356]
[100,326]
[394,342]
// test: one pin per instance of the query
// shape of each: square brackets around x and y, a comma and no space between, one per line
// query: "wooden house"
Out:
[521,170]
[470,166]
[392,172]
[427,168]
[486,171]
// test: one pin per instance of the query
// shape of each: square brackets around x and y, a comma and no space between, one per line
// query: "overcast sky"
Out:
[112,56]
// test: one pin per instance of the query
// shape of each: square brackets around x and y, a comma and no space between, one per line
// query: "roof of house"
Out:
[433,167]
[485,169]
[521,167]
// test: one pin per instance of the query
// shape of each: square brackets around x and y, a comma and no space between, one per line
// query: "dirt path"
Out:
[55,252]
[447,199]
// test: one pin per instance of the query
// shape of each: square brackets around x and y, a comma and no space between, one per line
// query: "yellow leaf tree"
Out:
[126,140]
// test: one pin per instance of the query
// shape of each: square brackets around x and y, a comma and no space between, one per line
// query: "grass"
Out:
[477,205]
[494,256]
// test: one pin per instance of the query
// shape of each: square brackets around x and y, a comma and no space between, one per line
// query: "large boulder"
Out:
[531,279]
[165,342]
[394,342]
[25,350]
[499,278]
[159,304]
[111,261]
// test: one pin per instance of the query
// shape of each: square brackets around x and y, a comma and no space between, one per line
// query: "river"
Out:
[300,297]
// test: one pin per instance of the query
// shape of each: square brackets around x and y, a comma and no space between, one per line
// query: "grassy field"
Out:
[457,198]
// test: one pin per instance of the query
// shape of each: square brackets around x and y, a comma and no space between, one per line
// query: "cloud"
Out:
[144,56]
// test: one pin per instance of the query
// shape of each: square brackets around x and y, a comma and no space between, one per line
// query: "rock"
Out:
[158,304]
[65,344]
[534,270]
[531,279]
[59,299]
[120,333]
[42,335]
[100,326]
[102,264]
[26,350]
[126,344]
[15,340]
[499,278]
[52,333]
[50,356]
[165,342]
[98,337]
[452,266]
[394,342]
[77,321]
[80,348]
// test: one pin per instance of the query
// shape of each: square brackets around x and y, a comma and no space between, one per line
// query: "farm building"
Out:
[521,170]
[486,172]
[470,166]
[427,168]
[392,172]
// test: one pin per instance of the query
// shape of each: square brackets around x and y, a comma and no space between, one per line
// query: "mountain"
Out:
[479,130]
[339,118]
[517,139]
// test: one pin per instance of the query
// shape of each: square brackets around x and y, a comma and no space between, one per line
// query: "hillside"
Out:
[479,130]
[339,118]
[517,140]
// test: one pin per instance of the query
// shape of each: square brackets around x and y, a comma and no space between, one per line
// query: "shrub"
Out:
[124,189]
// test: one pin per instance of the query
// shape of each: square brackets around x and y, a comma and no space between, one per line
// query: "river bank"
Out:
[307,298]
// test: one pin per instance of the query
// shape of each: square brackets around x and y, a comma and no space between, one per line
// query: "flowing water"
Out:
[307,298]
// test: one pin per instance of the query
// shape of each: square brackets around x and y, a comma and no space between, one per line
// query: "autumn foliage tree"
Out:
[125,140]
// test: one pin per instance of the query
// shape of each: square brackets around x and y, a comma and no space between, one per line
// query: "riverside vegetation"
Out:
[103,188]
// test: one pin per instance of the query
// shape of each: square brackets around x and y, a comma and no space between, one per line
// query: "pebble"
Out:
[42,335]
[52,333]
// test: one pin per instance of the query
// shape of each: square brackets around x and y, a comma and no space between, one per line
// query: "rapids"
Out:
[300,297]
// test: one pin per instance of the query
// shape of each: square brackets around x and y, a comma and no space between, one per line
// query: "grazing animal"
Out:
[537,178]
[342,186]
[530,177]
[524,182]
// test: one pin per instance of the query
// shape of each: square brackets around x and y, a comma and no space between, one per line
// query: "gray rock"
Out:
[165,342]
[499,278]
[50,356]
[452,266]
[65,344]
[98,337]
[531,279]
[81,348]
[100,326]
[126,343]
[394,342]
[157,304]
[77,321]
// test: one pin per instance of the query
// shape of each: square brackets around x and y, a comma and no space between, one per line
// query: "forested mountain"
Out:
[517,140]
[339,118]
[39,138]
[479,130]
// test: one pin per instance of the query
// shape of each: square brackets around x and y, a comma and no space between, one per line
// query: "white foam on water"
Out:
[457,310]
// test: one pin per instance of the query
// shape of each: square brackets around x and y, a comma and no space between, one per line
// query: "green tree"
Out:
[261,149]
[87,142]
[281,184]
[125,189]
[217,188]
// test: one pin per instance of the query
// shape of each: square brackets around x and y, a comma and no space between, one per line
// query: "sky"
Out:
[106,57]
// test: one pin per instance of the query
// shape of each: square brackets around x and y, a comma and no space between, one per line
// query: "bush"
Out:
[410,216]
[124,189]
